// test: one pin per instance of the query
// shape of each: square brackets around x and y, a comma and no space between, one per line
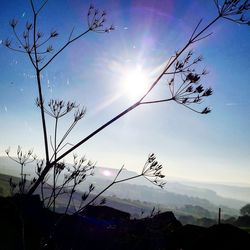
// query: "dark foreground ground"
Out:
[26,225]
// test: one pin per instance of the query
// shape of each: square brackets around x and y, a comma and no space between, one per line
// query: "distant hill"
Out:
[230,191]
[175,195]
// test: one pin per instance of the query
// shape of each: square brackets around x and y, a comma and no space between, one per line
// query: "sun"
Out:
[134,82]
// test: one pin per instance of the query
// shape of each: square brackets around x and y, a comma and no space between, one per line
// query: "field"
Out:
[247,229]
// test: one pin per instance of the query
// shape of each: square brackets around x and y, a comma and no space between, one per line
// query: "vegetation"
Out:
[245,210]
[37,47]
[184,86]
[180,72]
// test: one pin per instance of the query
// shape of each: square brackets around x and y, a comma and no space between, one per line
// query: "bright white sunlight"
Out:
[134,82]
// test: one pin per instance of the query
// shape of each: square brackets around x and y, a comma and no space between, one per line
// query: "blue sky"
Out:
[213,147]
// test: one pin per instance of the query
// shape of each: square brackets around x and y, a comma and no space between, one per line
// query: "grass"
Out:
[247,229]
[4,184]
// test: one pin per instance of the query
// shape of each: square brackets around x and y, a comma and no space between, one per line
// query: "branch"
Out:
[203,30]
[44,3]
[158,101]
[195,29]
[32,7]
[201,38]
[196,111]
[16,50]
[66,45]
[38,77]
[105,189]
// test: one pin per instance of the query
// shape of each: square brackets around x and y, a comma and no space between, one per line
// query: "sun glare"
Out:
[134,82]
[106,173]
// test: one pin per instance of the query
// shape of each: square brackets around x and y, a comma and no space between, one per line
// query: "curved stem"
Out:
[159,101]
[54,170]
[38,77]
[66,45]
[70,198]
[105,189]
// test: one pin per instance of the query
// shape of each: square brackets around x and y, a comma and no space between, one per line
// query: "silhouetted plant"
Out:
[184,84]
[151,170]
[37,46]
[75,174]
[182,78]
[73,177]
[154,212]
[57,109]
[233,10]
[22,159]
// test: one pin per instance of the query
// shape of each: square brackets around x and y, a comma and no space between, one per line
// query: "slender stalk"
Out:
[43,4]
[207,27]
[158,101]
[54,172]
[70,198]
[105,189]
[66,45]
[42,192]
[38,78]
[58,193]
[22,180]
[189,108]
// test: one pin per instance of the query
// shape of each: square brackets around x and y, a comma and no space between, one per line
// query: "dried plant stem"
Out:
[105,189]
[70,198]
[66,45]
[38,78]
[43,116]
[54,170]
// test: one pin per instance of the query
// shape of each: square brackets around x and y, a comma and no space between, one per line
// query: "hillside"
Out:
[175,196]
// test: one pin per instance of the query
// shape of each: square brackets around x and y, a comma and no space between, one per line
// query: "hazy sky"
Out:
[94,73]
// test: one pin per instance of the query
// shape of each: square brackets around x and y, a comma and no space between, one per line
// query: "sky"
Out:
[95,72]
